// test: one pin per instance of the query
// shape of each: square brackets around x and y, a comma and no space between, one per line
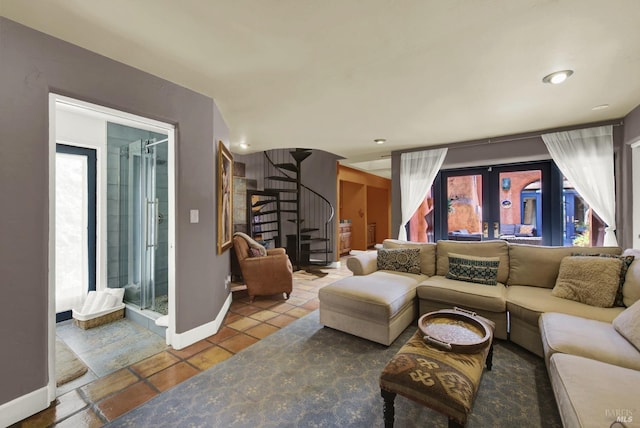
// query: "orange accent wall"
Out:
[363,198]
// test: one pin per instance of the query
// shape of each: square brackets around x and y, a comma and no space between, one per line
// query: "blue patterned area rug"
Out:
[306,375]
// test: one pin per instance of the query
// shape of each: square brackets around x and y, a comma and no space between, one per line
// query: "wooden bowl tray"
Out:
[455,330]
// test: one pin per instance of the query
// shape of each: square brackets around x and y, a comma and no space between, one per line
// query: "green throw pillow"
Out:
[626,262]
[480,270]
[399,259]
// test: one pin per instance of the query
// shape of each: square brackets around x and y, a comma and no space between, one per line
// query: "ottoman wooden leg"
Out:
[454,424]
[489,361]
[389,412]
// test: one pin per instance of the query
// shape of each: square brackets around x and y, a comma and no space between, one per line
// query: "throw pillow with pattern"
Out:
[479,270]
[399,259]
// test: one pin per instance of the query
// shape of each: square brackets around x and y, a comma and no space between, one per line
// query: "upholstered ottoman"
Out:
[376,307]
[444,381]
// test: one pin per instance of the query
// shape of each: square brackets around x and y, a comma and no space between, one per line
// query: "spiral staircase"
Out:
[290,209]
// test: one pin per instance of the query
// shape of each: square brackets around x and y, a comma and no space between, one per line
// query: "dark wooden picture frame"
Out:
[225,200]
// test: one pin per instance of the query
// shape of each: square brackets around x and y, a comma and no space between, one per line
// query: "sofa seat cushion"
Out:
[591,393]
[378,296]
[466,295]
[527,303]
[598,340]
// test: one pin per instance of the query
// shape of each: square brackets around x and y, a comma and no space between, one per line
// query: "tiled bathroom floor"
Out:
[94,402]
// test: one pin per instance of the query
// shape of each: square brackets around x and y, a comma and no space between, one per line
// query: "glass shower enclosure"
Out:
[137,205]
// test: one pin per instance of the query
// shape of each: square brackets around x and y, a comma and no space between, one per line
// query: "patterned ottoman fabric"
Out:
[443,381]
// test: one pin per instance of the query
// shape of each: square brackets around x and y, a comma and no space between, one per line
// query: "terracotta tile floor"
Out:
[109,397]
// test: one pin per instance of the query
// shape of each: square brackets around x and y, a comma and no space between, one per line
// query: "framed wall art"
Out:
[225,200]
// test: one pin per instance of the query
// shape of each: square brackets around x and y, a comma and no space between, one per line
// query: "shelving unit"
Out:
[263,217]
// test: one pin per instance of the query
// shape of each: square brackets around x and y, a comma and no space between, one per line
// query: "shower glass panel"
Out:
[137,207]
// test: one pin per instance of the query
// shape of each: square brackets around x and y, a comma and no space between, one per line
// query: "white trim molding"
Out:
[182,340]
[24,406]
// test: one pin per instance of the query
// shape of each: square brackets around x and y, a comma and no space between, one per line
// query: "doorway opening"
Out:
[118,207]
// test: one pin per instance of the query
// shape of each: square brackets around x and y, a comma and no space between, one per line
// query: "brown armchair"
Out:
[264,275]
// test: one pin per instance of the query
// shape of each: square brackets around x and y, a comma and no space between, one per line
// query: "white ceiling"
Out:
[336,74]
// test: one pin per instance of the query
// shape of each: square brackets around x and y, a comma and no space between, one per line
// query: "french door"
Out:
[511,202]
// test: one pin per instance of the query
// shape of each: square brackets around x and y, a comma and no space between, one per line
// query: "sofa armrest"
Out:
[363,264]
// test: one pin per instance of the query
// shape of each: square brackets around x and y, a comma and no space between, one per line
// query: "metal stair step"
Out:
[288,166]
[309,229]
[284,191]
[316,251]
[300,154]
[257,213]
[280,178]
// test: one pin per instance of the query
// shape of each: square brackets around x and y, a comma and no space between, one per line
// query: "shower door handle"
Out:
[152,223]
[156,219]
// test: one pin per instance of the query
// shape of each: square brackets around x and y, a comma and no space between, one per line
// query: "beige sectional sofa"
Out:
[594,371]
[525,279]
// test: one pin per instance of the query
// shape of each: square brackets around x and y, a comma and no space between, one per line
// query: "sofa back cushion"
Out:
[538,266]
[631,287]
[498,249]
[427,253]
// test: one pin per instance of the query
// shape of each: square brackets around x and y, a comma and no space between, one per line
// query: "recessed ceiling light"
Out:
[557,77]
[379,141]
[243,146]
[601,107]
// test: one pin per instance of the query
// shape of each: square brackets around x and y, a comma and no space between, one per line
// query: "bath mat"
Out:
[68,365]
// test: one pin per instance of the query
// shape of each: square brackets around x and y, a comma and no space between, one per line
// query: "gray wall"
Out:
[32,65]
[631,135]
[521,148]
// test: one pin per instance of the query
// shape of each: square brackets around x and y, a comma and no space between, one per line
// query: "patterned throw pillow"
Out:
[399,259]
[254,252]
[589,280]
[480,270]
[626,262]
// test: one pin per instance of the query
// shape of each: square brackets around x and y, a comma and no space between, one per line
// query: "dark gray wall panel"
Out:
[33,64]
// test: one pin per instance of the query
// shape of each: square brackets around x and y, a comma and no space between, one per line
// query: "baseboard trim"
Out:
[24,406]
[182,340]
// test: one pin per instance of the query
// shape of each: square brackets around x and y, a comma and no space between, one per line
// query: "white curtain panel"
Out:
[585,157]
[417,172]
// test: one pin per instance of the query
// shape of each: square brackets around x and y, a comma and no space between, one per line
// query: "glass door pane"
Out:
[72,258]
[517,198]
[464,210]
